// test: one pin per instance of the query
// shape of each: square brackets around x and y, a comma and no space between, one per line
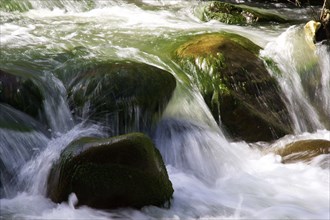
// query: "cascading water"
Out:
[212,176]
[303,75]
[324,89]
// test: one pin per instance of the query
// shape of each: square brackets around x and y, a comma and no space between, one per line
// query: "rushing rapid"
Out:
[213,177]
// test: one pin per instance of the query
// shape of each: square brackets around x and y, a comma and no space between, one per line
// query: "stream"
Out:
[213,176]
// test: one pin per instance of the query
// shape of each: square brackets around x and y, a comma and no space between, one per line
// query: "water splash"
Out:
[323,90]
[56,108]
[33,176]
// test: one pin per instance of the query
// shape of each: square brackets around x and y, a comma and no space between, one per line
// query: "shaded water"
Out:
[212,176]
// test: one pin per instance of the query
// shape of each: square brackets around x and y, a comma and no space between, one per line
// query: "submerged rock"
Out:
[239,14]
[304,150]
[123,171]
[124,96]
[236,85]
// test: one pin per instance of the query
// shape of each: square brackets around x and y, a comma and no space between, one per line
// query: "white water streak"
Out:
[34,174]
[323,53]
[294,57]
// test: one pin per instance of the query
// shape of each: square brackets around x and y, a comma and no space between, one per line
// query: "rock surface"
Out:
[236,85]
[304,150]
[21,93]
[239,14]
[123,171]
[124,96]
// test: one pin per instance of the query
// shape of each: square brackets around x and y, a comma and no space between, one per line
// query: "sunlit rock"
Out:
[304,150]
[123,171]
[236,85]
[310,31]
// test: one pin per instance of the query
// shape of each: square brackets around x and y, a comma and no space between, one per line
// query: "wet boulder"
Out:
[304,150]
[239,14]
[236,85]
[123,96]
[122,171]
[20,92]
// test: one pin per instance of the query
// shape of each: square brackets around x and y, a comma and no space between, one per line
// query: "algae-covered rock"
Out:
[21,93]
[236,85]
[125,96]
[304,150]
[123,171]
[239,14]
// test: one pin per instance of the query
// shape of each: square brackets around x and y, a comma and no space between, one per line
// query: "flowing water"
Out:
[213,177]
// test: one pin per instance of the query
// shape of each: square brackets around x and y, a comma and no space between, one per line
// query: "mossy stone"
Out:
[236,85]
[125,96]
[239,14]
[304,150]
[123,171]
[21,93]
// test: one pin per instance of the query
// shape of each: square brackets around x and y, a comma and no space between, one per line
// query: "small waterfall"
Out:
[189,138]
[299,76]
[212,177]
[33,175]
[196,149]
[20,141]
[323,93]
[56,108]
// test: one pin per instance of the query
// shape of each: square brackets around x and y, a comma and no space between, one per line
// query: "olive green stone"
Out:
[236,85]
[122,171]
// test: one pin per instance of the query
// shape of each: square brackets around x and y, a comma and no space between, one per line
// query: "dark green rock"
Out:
[12,119]
[123,171]
[124,96]
[236,85]
[21,93]
[304,150]
[239,14]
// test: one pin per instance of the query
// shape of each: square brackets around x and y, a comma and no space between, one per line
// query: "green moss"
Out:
[235,85]
[273,66]
[121,171]
[208,44]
